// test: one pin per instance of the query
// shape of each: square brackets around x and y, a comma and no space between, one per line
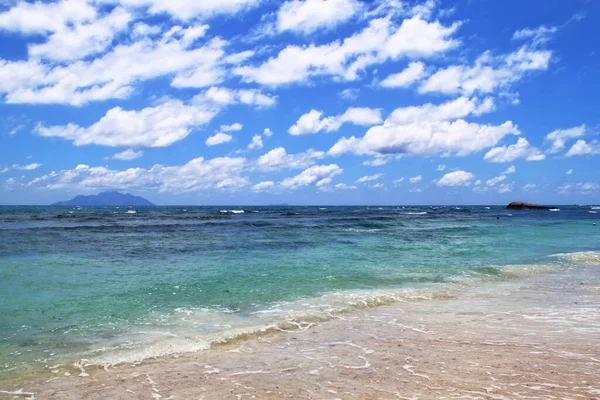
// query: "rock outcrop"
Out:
[521,205]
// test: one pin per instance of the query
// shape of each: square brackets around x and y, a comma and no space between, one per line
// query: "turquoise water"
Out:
[107,285]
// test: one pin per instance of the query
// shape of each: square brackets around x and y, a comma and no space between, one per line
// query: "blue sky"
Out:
[302,102]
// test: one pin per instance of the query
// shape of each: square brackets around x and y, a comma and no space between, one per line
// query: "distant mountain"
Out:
[106,199]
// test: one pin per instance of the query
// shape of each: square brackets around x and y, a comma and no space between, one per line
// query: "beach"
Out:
[534,338]
[432,318]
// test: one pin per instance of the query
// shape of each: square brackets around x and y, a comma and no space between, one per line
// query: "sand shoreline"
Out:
[531,338]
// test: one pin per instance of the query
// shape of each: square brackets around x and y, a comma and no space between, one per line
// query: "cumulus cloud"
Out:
[376,162]
[538,36]
[114,74]
[369,178]
[579,188]
[521,149]
[27,167]
[267,132]
[311,15]
[313,121]
[413,73]
[441,167]
[416,179]
[489,73]
[382,40]
[231,128]
[349,94]
[218,138]
[73,42]
[456,178]
[558,138]
[187,10]
[569,172]
[278,159]
[581,147]
[256,143]
[127,155]
[262,186]
[222,173]
[510,170]
[429,129]
[311,175]
[39,17]
[157,126]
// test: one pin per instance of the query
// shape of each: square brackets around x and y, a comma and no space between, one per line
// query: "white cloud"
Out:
[127,155]
[349,94]
[377,185]
[581,147]
[231,128]
[82,39]
[157,126]
[510,170]
[377,43]
[530,187]
[416,179]
[219,138]
[186,10]
[256,143]
[39,17]
[456,178]
[539,35]
[489,73]
[428,130]
[369,178]
[413,73]
[222,173]
[313,121]
[311,175]
[399,180]
[343,186]
[224,96]
[115,74]
[496,180]
[267,132]
[278,159]
[441,167]
[579,188]
[569,172]
[262,186]
[376,162]
[521,149]
[558,138]
[504,188]
[28,167]
[309,16]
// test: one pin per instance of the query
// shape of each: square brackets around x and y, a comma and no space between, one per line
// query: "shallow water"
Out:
[106,285]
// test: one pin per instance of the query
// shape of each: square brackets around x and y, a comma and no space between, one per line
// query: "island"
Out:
[521,205]
[106,199]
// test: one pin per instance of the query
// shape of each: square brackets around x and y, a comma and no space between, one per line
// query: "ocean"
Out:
[109,285]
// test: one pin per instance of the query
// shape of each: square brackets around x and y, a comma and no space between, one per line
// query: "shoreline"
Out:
[529,337]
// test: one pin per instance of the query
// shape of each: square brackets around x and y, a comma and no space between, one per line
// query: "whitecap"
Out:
[416,213]
[554,209]
[595,208]
[130,212]
[232,211]
[593,212]
[580,257]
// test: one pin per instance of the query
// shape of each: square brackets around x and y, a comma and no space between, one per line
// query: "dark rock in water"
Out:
[106,199]
[521,205]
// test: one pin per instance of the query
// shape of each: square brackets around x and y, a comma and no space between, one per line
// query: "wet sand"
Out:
[534,338]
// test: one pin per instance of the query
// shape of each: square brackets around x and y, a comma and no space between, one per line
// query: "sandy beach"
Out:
[531,338]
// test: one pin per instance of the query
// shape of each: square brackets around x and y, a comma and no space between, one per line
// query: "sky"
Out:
[301,102]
